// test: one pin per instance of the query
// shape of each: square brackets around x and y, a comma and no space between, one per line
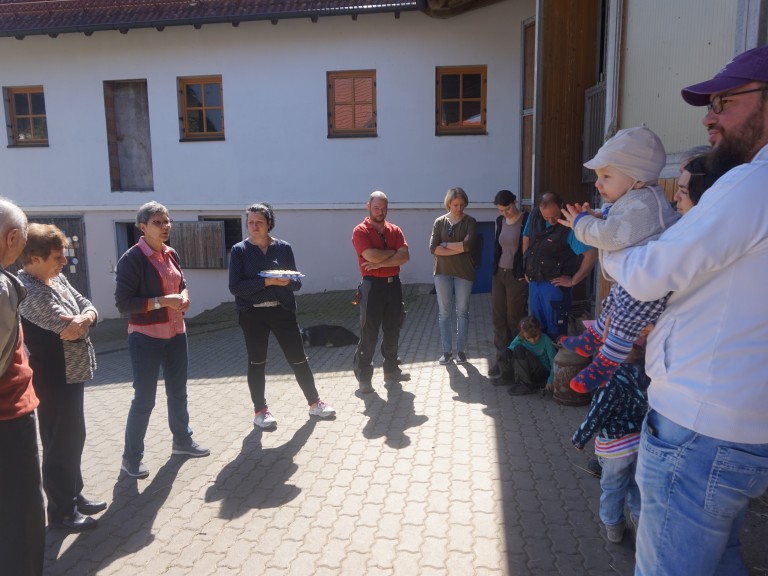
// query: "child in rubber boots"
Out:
[529,359]
[615,418]
[635,211]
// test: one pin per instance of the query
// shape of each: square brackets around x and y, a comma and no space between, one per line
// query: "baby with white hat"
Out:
[635,211]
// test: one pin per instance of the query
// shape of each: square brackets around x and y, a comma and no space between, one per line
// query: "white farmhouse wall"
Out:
[276,147]
[668,46]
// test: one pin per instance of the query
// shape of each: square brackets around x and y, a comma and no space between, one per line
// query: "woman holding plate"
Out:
[265,303]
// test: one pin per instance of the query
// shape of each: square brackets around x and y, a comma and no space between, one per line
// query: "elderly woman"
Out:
[56,319]
[152,291]
[453,236]
[267,304]
[509,289]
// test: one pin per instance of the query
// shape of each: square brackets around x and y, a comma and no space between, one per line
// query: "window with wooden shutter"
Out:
[352,103]
[199,244]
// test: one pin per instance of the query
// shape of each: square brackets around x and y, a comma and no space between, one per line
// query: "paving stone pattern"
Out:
[444,475]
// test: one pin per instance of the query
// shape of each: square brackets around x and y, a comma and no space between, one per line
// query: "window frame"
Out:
[13,136]
[333,131]
[442,129]
[185,134]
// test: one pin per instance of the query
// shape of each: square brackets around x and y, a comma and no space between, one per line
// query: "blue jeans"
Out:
[147,356]
[618,484]
[695,491]
[550,305]
[446,286]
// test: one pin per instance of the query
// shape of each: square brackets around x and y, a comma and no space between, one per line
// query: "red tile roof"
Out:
[29,17]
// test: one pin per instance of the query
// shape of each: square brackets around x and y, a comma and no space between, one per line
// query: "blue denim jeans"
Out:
[550,305]
[618,485]
[453,293]
[148,355]
[695,491]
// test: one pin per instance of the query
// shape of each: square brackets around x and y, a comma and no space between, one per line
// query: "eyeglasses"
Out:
[384,240]
[162,223]
[716,105]
[450,230]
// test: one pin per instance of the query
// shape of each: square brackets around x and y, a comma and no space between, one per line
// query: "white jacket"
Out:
[707,355]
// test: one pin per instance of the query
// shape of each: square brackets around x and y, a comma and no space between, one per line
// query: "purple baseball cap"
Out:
[749,66]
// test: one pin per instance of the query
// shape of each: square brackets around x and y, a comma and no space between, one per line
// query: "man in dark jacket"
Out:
[554,262]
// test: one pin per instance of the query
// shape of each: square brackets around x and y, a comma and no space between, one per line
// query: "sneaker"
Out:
[445,358]
[321,410]
[192,449]
[264,419]
[461,357]
[495,372]
[138,470]
[615,532]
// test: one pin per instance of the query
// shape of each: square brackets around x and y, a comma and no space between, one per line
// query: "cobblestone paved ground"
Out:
[444,475]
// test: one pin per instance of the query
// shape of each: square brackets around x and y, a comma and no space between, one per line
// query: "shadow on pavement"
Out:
[259,478]
[390,418]
[129,518]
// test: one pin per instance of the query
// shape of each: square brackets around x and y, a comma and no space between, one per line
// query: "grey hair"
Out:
[148,210]
[378,194]
[11,216]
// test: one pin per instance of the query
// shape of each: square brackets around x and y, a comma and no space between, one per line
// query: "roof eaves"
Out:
[235,19]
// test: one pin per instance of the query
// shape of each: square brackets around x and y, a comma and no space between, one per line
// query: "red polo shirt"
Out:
[365,236]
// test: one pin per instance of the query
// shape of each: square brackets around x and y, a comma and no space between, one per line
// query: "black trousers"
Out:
[22,519]
[381,306]
[256,324]
[62,434]
[522,366]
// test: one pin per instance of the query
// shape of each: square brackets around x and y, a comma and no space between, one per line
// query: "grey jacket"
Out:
[43,307]
[633,220]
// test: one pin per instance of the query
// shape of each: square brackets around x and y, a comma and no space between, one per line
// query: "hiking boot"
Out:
[365,387]
[494,373]
[521,389]
[397,376]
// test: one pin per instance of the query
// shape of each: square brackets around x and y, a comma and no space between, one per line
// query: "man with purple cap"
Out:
[704,444]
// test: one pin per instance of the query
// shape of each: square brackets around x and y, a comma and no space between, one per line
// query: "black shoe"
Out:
[398,376]
[520,389]
[90,507]
[501,381]
[495,372]
[75,523]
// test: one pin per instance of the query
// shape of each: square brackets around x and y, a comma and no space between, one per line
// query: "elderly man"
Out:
[381,250]
[704,443]
[22,517]
[553,265]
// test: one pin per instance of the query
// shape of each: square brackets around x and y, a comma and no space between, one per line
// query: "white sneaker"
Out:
[321,410]
[264,419]
[445,358]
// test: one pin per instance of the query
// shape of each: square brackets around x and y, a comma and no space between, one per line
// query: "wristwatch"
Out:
[157,303]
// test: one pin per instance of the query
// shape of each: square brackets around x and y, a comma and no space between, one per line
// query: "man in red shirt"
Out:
[22,516]
[381,250]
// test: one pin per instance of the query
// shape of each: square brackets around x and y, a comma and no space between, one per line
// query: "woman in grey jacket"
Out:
[56,319]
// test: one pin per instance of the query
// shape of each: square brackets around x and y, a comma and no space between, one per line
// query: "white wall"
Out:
[276,147]
[668,46]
